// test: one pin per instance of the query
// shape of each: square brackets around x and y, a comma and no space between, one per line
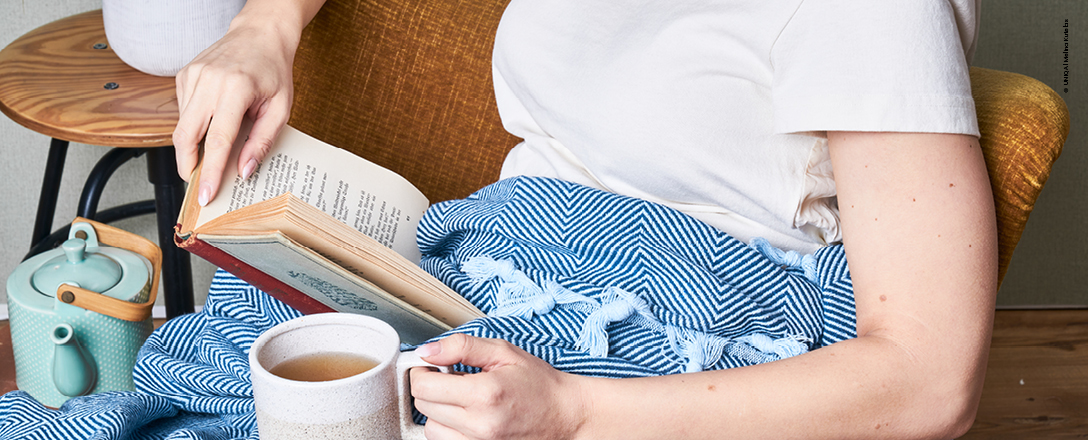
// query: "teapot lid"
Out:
[81,266]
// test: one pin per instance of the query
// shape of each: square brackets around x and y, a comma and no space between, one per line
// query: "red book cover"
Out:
[276,288]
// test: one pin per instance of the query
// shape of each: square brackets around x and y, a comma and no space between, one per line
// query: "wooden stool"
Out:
[62,80]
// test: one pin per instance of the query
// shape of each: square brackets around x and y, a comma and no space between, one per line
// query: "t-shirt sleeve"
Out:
[863,65]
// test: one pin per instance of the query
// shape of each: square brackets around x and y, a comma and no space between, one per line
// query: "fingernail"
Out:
[205,194]
[429,350]
[250,166]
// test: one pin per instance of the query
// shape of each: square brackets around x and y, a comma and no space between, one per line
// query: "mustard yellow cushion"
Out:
[1024,124]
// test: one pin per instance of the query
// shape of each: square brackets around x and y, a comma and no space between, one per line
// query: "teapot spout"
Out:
[74,370]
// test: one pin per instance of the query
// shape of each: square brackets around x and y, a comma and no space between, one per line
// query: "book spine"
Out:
[272,286]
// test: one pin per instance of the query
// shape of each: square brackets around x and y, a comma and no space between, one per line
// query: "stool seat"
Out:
[64,81]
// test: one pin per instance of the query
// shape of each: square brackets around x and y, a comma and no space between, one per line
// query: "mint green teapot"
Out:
[79,313]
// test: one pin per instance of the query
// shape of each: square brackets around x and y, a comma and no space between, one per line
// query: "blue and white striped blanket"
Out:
[601,284]
[592,282]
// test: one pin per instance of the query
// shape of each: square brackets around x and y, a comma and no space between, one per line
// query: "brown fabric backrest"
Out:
[407,85]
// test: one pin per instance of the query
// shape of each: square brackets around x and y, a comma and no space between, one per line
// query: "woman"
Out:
[738,113]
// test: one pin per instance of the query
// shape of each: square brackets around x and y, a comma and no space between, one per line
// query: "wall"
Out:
[1050,266]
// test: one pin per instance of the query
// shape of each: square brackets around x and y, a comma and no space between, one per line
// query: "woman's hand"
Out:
[516,396]
[247,73]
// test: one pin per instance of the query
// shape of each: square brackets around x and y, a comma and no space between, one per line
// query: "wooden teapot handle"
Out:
[97,302]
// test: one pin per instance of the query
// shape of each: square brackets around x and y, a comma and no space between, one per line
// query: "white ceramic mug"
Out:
[374,404]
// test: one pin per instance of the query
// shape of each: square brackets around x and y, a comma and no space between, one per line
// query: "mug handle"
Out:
[409,430]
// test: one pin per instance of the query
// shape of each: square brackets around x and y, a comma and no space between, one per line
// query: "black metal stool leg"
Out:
[47,202]
[100,174]
[88,199]
[177,278]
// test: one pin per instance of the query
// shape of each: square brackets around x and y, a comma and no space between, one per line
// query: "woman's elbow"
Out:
[937,394]
[948,412]
[956,420]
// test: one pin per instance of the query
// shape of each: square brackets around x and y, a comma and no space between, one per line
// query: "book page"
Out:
[369,198]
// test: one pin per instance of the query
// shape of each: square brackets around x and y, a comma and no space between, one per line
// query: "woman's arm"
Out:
[247,72]
[920,236]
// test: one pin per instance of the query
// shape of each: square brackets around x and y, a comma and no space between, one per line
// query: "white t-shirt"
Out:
[716,107]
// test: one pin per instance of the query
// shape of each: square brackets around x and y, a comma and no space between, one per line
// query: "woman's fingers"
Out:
[442,414]
[192,124]
[516,396]
[216,118]
[220,139]
[467,390]
[467,406]
[437,431]
[247,72]
[185,83]
[268,120]
[484,353]
[441,388]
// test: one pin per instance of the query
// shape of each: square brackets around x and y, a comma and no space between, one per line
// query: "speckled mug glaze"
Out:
[371,405]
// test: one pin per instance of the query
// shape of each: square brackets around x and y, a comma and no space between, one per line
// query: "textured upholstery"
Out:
[1024,125]
[407,84]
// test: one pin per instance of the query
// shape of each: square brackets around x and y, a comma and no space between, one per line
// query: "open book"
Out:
[323,230]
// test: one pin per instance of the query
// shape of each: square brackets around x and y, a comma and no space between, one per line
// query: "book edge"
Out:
[266,283]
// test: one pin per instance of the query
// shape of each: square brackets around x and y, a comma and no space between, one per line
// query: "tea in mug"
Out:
[319,367]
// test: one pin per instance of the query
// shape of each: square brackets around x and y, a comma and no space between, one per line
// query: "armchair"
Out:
[406,83]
